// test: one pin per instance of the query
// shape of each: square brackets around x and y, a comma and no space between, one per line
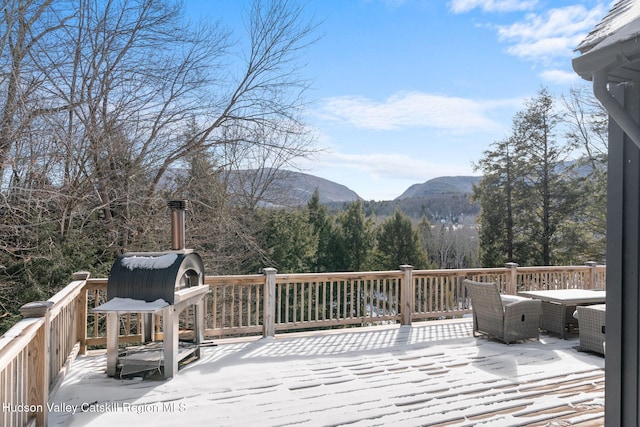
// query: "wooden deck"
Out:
[429,374]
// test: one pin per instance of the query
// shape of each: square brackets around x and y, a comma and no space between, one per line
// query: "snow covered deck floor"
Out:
[431,374]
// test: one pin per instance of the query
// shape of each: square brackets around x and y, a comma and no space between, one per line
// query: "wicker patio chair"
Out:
[591,327]
[508,318]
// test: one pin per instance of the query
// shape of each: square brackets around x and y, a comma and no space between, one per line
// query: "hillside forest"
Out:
[95,119]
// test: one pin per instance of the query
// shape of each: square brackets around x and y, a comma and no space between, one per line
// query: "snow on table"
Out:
[130,305]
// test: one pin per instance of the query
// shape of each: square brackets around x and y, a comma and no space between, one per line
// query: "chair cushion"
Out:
[508,299]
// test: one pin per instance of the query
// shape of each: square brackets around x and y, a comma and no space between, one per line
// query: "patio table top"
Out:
[568,296]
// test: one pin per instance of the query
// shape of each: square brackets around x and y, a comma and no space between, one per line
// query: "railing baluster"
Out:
[295,302]
[309,287]
[314,293]
[324,298]
[331,299]
[286,301]
[343,303]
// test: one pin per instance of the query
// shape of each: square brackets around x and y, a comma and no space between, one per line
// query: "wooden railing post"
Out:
[593,274]
[406,295]
[269,317]
[81,307]
[512,278]
[38,364]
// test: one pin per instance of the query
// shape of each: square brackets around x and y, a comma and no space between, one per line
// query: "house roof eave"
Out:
[613,62]
[620,60]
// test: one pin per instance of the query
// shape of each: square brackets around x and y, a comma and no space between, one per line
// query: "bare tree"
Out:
[139,79]
[26,27]
[587,124]
[102,101]
[587,129]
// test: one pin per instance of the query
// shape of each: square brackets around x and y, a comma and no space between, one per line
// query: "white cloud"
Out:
[462,6]
[381,165]
[414,110]
[544,50]
[552,34]
[559,76]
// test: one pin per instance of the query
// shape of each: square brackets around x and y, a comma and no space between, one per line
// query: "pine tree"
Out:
[547,177]
[495,192]
[356,240]
[324,229]
[528,193]
[289,240]
[399,243]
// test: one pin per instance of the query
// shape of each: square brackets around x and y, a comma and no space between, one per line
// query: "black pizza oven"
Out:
[157,283]
[149,276]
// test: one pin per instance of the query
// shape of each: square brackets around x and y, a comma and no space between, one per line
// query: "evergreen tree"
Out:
[325,231]
[426,237]
[495,192]
[551,187]
[399,243]
[527,192]
[289,240]
[355,240]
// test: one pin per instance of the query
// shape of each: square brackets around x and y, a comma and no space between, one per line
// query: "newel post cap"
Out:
[80,275]
[35,308]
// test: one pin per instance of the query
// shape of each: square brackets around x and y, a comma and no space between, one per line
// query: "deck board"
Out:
[431,374]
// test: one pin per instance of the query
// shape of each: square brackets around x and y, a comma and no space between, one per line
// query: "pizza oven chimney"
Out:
[178,208]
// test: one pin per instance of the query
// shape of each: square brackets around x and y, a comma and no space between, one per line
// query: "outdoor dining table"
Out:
[559,305]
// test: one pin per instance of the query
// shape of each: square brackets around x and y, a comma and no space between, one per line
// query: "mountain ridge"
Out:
[442,199]
[302,186]
[442,185]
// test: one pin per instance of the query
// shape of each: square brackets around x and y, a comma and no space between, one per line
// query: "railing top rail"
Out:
[459,272]
[17,339]
[65,296]
[556,268]
[305,277]
[240,278]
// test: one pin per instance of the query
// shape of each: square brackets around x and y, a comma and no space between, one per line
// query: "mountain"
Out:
[439,199]
[298,188]
[273,187]
[441,185]
[443,199]
[285,188]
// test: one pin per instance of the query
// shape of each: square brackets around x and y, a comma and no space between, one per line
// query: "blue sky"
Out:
[408,90]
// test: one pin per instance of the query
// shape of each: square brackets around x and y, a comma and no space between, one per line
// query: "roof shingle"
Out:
[622,23]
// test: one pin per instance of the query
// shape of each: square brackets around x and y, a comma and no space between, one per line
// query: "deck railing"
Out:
[35,353]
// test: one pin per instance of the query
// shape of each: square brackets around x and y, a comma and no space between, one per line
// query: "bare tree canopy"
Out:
[105,104]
